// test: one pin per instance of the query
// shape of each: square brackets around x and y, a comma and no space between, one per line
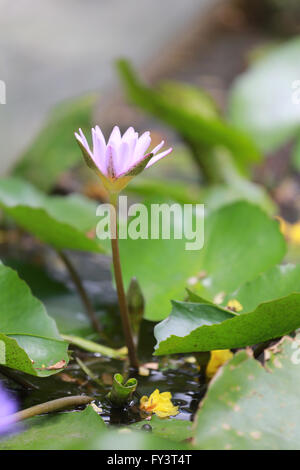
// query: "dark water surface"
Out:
[52,286]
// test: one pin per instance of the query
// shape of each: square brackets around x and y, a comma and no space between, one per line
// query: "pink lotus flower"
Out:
[121,158]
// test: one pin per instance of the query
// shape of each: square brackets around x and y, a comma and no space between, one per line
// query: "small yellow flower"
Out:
[234,305]
[217,359]
[159,403]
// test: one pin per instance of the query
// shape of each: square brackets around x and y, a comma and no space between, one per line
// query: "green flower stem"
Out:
[82,293]
[49,406]
[91,346]
[136,305]
[119,283]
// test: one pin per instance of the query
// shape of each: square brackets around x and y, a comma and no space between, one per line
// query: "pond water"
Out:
[181,378]
[176,374]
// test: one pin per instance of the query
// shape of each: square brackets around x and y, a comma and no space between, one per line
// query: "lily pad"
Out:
[83,430]
[70,430]
[240,241]
[153,263]
[29,338]
[275,283]
[249,406]
[193,327]
[59,221]
[65,306]
[173,429]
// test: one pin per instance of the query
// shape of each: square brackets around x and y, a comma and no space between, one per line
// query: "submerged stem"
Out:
[120,286]
[49,406]
[89,373]
[82,292]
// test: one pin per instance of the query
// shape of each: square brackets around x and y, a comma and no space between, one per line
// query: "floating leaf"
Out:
[30,339]
[173,429]
[277,282]
[240,241]
[59,221]
[248,406]
[83,430]
[155,267]
[65,307]
[70,430]
[195,327]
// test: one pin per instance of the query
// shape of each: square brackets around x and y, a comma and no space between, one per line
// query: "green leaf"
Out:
[193,297]
[29,337]
[83,430]
[248,406]
[189,97]
[70,316]
[157,182]
[195,327]
[70,430]
[171,190]
[191,113]
[275,283]
[261,101]
[218,195]
[154,265]
[174,429]
[133,440]
[65,307]
[235,185]
[55,150]
[59,221]
[240,242]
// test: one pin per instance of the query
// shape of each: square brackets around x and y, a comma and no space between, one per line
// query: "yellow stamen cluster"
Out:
[234,305]
[159,403]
